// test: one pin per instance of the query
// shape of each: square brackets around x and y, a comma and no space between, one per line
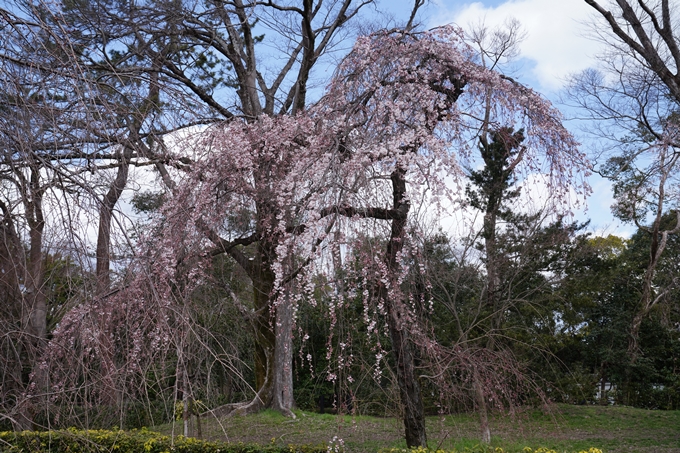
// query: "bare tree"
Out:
[29,117]
[636,89]
[62,123]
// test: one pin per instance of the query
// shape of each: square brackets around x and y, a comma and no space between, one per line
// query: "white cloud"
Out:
[556,44]
[602,222]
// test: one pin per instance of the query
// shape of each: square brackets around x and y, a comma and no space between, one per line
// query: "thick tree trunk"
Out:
[274,357]
[265,340]
[273,326]
[282,395]
[409,388]
[108,203]
[36,327]
[37,304]
[34,305]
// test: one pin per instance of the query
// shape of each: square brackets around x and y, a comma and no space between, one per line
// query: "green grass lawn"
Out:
[567,428]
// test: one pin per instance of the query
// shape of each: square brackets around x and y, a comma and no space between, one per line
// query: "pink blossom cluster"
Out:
[401,102]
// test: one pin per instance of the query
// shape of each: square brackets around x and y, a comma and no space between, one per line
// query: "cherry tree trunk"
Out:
[282,394]
[264,335]
[409,388]
[273,326]
[274,374]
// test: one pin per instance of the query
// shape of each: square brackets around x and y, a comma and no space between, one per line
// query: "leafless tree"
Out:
[634,95]
[62,123]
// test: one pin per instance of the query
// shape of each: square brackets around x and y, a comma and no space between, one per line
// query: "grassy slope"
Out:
[614,429]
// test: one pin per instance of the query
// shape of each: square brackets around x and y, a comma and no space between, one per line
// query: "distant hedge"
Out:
[134,441]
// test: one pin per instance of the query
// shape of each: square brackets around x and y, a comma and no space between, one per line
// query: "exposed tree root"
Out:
[254,406]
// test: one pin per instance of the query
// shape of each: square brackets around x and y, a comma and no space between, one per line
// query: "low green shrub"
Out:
[134,441]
